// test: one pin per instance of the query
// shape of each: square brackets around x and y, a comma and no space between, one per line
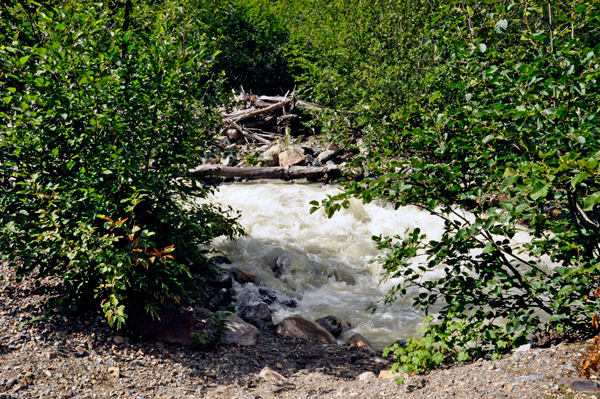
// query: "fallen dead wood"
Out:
[250,114]
[254,172]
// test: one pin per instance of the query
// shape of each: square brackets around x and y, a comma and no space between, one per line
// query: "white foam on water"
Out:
[325,263]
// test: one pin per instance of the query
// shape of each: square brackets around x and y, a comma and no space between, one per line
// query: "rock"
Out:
[292,157]
[366,376]
[267,295]
[331,147]
[385,374]
[271,375]
[581,384]
[271,156]
[529,378]
[568,367]
[360,342]
[79,352]
[51,355]
[202,313]
[297,327]
[402,343]
[258,315]
[238,331]
[333,324]
[170,326]
[224,140]
[160,347]
[328,155]
[219,260]
[523,348]
[234,135]
[114,372]
[118,340]
[220,298]
[221,280]
[242,277]
[228,160]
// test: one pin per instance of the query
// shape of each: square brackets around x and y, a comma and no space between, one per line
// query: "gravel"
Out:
[68,356]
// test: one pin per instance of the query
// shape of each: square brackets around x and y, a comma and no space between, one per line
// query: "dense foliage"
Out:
[104,108]
[501,144]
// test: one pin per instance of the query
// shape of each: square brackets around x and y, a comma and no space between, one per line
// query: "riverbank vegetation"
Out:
[482,112]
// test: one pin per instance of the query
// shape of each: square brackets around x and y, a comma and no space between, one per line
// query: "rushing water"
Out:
[324,264]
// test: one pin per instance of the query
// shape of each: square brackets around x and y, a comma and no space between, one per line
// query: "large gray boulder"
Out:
[237,331]
[297,327]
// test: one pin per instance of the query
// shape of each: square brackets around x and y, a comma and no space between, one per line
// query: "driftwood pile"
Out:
[259,120]
[265,119]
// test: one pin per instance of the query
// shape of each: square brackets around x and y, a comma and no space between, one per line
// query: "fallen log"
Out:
[250,114]
[276,172]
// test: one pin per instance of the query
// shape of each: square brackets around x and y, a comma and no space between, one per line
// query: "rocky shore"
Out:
[79,356]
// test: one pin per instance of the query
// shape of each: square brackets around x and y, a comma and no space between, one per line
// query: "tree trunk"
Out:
[254,172]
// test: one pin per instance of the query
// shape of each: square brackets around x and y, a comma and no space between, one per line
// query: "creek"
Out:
[325,265]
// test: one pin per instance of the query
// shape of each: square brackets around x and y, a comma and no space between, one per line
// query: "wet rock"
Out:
[219,260]
[267,295]
[242,277]
[581,384]
[333,324]
[271,375]
[234,135]
[297,327]
[271,156]
[360,342]
[402,343]
[118,340]
[290,303]
[237,330]
[170,326]
[328,155]
[257,315]
[292,157]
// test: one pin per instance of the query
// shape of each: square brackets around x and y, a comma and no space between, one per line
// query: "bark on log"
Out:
[254,172]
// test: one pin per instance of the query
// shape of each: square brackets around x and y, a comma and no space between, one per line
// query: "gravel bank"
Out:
[80,357]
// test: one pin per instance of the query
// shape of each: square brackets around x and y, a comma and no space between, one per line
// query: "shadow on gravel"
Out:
[82,348]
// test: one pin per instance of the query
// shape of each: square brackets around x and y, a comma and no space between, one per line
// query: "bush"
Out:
[104,110]
[506,153]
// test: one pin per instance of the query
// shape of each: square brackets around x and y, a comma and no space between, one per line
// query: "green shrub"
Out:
[102,113]
[506,154]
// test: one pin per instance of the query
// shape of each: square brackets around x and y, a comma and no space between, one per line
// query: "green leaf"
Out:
[540,189]
[434,96]
[579,178]
[482,47]
[591,201]
[24,59]
[470,11]
[501,26]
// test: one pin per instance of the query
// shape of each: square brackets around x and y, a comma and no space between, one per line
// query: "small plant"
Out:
[217,326]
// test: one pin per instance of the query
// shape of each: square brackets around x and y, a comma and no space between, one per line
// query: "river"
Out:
[324,264]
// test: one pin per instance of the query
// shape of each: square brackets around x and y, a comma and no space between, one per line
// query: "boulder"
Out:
[360,342]
[258,315]
[328,155]
[170,326]
[237,331]
[271,156]
[292,157]
[242,277]
[333,324]
[581,384]
[297,327]
[234,135]
[271,375]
